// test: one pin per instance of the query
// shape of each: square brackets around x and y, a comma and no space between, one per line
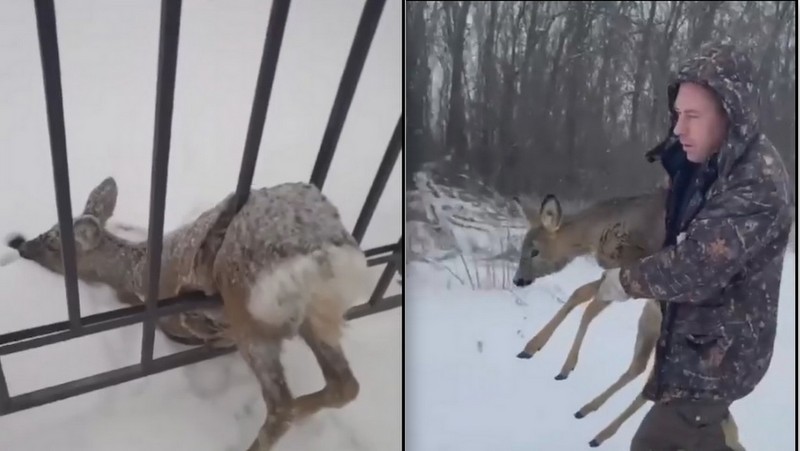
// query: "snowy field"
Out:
[108,60]
[465,323]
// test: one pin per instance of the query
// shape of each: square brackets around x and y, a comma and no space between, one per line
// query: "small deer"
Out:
[284,265]
[614,231]
[206,326]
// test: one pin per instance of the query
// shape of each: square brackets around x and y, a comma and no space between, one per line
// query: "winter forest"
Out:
[566,97]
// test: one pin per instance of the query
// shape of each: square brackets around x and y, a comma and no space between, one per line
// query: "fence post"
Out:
[387,274]
[5,398]
[165,93]
[362,42]
[379,183]
[258,114]
[51,73]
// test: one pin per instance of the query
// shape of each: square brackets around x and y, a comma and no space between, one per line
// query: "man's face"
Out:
[701,124]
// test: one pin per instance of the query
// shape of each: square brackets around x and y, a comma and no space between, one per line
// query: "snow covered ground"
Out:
[108,60]
[467,391]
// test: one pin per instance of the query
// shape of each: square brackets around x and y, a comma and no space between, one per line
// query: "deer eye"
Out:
[534,252]
[51,245]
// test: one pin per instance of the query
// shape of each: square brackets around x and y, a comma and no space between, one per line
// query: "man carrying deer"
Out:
[717,278]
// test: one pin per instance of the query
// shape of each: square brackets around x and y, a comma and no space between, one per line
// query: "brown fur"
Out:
[284,265]
[615,232]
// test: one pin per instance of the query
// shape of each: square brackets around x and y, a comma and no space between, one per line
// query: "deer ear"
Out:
[87,233]
[102,200]
[551,213]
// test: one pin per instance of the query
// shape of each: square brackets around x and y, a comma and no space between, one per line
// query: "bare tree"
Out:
[535,97]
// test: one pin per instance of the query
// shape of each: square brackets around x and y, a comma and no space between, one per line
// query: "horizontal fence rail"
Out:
[57,332]
[35,337]
[154,308]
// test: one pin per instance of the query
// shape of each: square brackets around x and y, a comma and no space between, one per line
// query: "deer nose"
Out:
[15,241]
[520,282]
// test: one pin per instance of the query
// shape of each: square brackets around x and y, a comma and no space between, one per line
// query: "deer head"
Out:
[543,251]
[45,249]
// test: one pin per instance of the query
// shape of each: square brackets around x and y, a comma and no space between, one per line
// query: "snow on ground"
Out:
[466,390]
[108,60]
[475,225]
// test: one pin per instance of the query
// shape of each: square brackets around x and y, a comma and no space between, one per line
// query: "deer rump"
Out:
[292,267]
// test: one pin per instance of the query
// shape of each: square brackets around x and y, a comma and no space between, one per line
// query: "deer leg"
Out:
[175,329]
[646,337]
[259,344]
[263,357]
[582,294]
[612,428]
[341,386]
[592,310]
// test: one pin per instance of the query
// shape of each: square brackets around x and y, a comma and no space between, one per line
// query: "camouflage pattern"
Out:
[719,286]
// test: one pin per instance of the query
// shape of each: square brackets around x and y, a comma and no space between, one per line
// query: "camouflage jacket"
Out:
[719,286]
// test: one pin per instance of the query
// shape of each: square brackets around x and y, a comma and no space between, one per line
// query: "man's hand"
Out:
[610,288]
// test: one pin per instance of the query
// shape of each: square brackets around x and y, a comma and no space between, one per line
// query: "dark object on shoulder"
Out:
[15,241]
[656,152]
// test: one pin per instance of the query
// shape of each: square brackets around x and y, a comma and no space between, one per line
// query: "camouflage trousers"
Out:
[687,426]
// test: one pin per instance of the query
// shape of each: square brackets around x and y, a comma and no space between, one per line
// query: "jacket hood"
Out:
[730,74]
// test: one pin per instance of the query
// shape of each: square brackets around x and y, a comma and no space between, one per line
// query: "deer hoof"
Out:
[594,443]
[561,377]
[524,355]
[579,415]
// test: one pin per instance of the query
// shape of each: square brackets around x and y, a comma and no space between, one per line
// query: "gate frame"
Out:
[153,308]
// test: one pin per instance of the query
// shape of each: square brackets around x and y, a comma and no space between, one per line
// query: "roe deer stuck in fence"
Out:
[284,265]
[615,231]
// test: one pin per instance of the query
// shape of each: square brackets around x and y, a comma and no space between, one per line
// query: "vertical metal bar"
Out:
[5,399]
[387,274]
[258,114]
[370,16]
[48,48]
[378,185]
[165,93]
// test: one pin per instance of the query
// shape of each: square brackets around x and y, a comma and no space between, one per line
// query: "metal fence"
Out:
[153,308]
